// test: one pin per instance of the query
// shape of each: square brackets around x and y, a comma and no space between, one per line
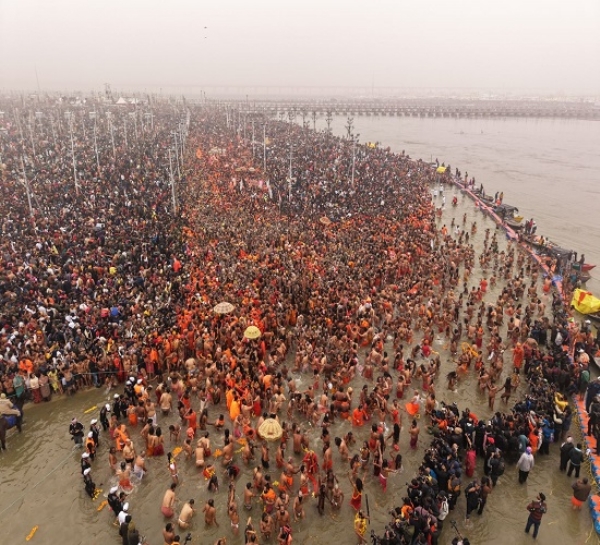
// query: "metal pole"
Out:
[27,190]
[96,145]
[291,171]
[177,154]
[181,140]
[173,194]
[31,136]
[73,157]
[53,130]
[265,148]
[353,158]
[112,136]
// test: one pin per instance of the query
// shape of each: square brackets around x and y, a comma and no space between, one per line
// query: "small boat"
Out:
[593,317]
[587,267]
[535,242]
[515,225]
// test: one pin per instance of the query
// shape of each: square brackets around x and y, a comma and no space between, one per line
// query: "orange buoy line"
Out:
[594,459]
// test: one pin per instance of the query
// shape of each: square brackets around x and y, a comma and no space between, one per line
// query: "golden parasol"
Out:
[270,430]
[440,169]
[223,308]
[252,332]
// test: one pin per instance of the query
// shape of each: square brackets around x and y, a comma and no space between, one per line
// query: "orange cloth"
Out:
[234,409]
[412,408]
[357,417]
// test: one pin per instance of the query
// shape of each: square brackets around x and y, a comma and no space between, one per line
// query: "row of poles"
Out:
[179,134]
[351,136]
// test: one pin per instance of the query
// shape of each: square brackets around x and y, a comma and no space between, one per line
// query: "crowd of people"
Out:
[334,254]
[90,274]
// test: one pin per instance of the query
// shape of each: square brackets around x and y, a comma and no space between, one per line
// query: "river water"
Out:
[41,481]
[548,168]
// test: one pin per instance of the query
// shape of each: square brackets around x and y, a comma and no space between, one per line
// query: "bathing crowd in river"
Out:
[348,279]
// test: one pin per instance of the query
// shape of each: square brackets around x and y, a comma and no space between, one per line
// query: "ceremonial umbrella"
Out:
[223,308]
[252,332]
[440,170]
[270,430]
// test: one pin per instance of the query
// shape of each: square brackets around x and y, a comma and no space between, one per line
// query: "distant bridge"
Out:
[308,109]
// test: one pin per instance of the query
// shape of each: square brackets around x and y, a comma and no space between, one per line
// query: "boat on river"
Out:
[543,246]
[594,317]
[513,224]
[509,215]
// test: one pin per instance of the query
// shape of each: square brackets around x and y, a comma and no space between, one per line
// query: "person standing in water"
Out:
[525,465]
[537,508]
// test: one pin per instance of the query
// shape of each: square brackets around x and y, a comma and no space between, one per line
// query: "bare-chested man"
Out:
[210,513]
[185,517]
[168,502]
[232,511]
[165,402]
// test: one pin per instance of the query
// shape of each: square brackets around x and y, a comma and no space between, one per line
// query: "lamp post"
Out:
[265,148]
[173,193]
[349,126]
[73,156]
[176,149]
[354,140]
[96,143]
[27,189]
[110,128]
[31,136]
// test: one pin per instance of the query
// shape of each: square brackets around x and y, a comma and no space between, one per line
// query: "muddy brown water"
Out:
[42,484]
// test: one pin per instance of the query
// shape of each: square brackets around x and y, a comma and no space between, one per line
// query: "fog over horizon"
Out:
[185,46]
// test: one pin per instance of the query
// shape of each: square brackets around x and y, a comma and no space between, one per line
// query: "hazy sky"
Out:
[546,45]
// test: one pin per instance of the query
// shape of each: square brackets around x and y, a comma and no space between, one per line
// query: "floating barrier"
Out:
[32,533]
[590,443]
[594,502]
[91,409]
[488,209]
